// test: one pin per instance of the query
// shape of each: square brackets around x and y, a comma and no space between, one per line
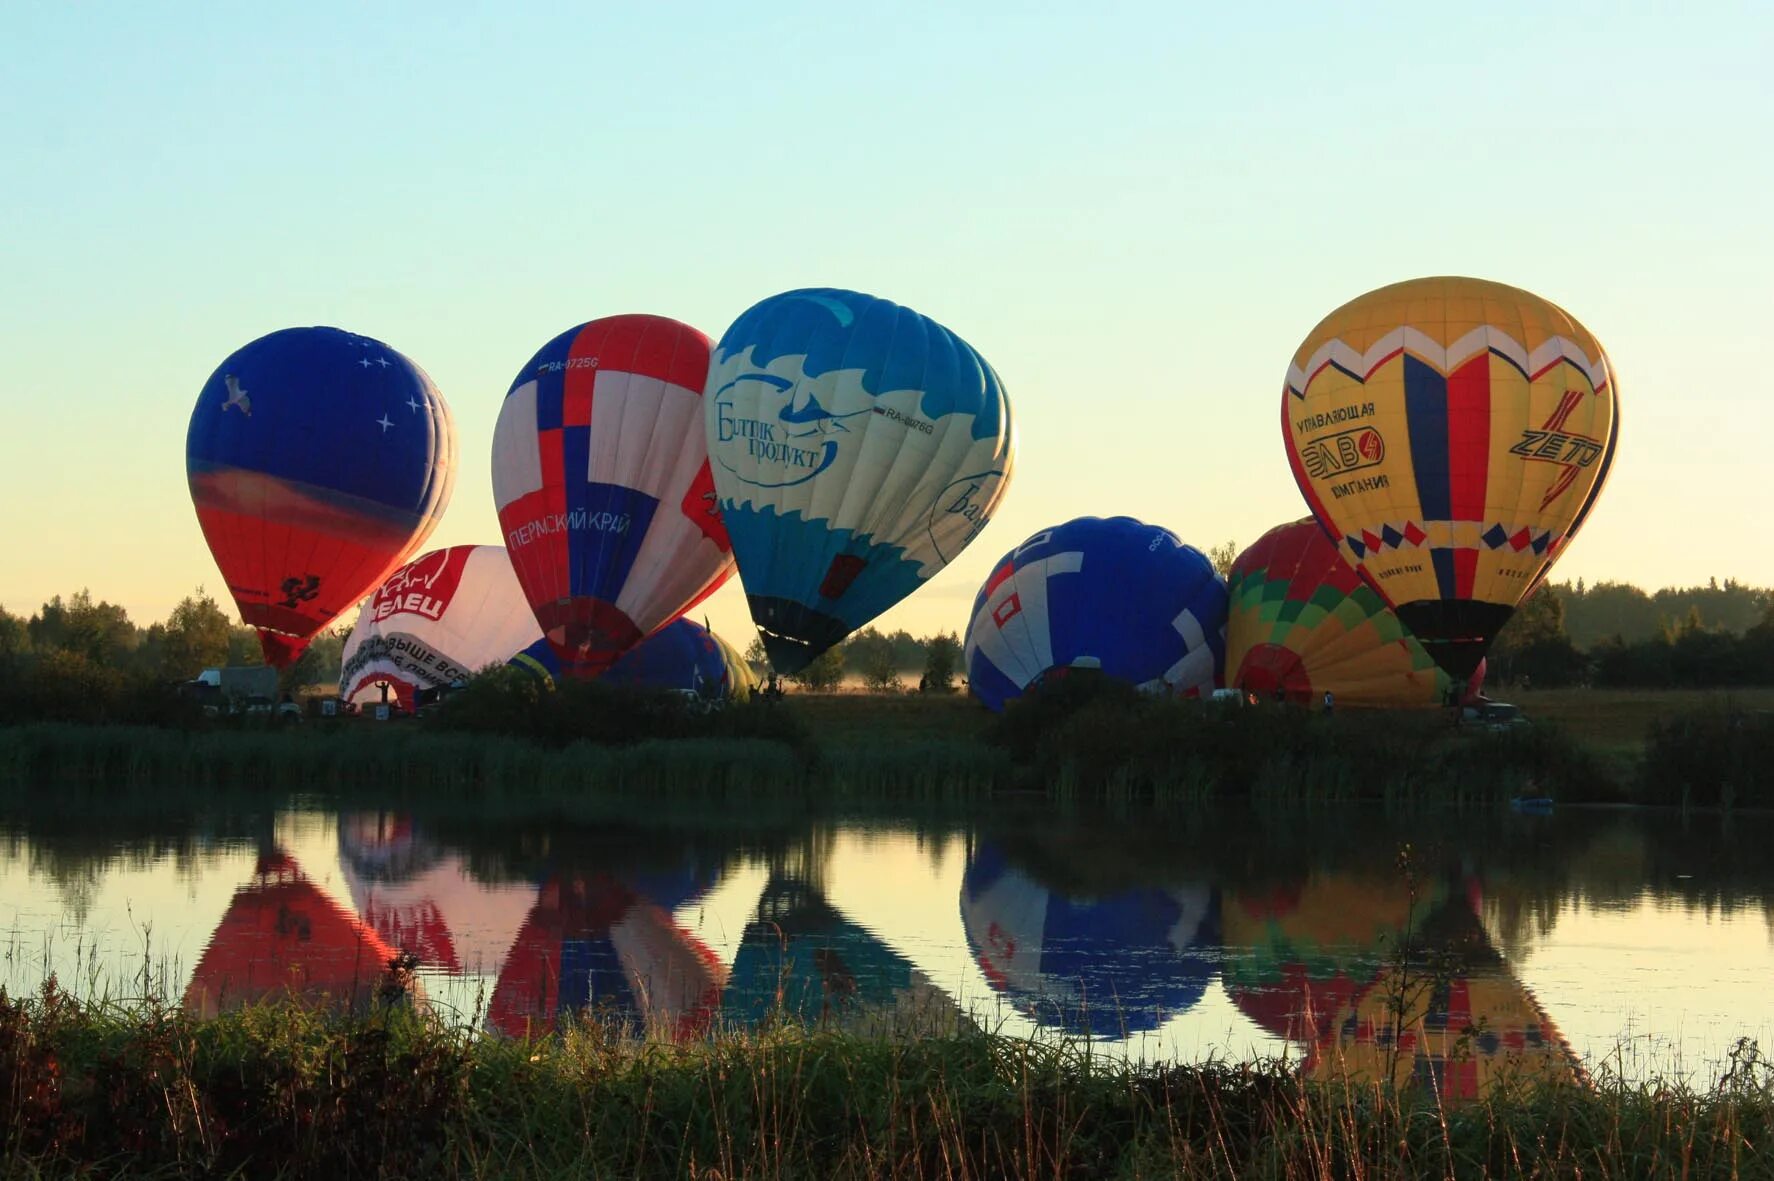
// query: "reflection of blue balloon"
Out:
[1115,594]
[1098,966]
[856,448]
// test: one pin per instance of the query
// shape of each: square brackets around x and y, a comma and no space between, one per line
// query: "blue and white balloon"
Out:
[856,448]
[1113,594]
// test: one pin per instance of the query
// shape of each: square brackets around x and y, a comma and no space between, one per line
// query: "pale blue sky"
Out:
[1135,211]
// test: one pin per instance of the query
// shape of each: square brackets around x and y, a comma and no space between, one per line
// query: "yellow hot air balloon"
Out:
[1452,434]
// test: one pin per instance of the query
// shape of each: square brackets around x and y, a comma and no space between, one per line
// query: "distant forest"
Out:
[1606,634]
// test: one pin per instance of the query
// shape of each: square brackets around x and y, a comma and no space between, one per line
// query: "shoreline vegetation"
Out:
[144,1089]
[1084,739]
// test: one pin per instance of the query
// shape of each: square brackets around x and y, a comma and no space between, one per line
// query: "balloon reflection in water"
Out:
[1296,952]
[283,939]
[1378,986]
[593,945]
[802,960]
[421,898]
[1452,1018]
[1104,966]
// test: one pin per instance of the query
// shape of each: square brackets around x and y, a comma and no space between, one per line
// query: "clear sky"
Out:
[1134,210]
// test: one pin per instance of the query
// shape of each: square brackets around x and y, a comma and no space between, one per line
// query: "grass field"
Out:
[1617,720]
[149,1091]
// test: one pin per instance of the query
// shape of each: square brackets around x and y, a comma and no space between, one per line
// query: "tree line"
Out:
[885,662]
[83,659]
[1724,639]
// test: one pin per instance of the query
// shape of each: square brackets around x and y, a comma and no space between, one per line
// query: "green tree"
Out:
[195,637]
[1222,556]
[942,659]
[1533,647]
[871,655]
[758,656]
[319,662]
[243,647]
[824,674]
[15,640]
[101,632]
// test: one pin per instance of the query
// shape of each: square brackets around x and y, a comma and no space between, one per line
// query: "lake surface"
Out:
[1639,943]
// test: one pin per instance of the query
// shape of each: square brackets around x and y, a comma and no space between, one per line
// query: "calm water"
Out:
[1641,943]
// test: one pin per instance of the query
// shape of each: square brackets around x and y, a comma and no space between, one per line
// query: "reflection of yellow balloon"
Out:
[1296,955]
[1462,1035]
[1452,435]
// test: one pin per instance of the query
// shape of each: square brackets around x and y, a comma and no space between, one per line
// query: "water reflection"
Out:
[1105,965]
[281,938]
[593,944]
[422,898]
[1507,940]
[802,960]
[1445,1011]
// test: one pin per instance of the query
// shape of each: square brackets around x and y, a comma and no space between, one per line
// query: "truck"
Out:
[228,689]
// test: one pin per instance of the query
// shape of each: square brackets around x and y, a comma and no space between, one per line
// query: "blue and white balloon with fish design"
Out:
[857,447]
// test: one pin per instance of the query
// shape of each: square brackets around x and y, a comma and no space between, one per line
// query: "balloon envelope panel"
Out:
[857,447]
[1452,434]
[681,655]
[1110,593]
[437,620]
[1301,622]
[684,655]
[318,461]
[600,475]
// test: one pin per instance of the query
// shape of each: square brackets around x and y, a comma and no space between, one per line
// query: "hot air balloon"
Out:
[682,655]
[685,655]
[318,461]
[857,447]
[1111,593]
[600,474]
[1103,966]
[1301,622]
[1451,436]
[437,620]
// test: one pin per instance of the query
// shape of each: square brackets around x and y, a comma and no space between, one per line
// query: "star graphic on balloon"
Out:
[384,423]
[413,405]
[365,362]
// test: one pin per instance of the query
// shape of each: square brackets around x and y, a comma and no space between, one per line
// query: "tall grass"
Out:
[1721,755]
[148,1091]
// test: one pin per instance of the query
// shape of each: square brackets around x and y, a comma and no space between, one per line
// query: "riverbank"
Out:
[1585,747]
[276,1091]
